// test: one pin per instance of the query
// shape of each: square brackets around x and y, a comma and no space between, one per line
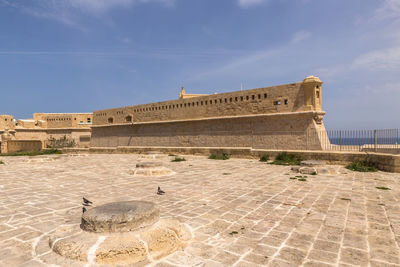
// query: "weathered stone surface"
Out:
[307,170]
[161,242]
[295,168]
[150,169]
[259,197]
[180,230]
[148,164]
[121,249]
[313,163]
[120,217]
[74,247]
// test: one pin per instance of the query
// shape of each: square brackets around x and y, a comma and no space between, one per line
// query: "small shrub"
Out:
[287,159]
[172,155]
[361,166]
[347,199]
[234,233]
[32,153]
[383,188]
[219,156]
[1,162]
[60,143]
[264,158]
[314,173]
[302,179]
[226,173]
[178,159]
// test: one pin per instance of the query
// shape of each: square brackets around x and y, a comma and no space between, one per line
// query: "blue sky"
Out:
[84,55]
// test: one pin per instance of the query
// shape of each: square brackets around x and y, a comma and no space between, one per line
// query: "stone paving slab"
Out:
[241,212]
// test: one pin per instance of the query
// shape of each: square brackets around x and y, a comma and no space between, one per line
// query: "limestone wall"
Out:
[6,122]
[277,117]
[294,97]
[80,135]
[274,131]
[64,120]
[11,146]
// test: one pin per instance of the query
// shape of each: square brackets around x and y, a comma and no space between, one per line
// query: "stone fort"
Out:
[277,117]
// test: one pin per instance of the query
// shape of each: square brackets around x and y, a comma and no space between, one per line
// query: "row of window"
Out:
[129,117]
[89,120]
[59,119]
[202,103]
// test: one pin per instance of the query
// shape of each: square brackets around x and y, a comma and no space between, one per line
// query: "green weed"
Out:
[383,188]
[287,159]
[361,166]
[219,156]
[264,158]
[178,159]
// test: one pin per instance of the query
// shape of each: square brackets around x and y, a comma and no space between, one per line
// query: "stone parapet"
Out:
[11,146]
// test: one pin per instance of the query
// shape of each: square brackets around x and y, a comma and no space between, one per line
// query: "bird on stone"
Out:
[160,192]
[87,202]
[83,209]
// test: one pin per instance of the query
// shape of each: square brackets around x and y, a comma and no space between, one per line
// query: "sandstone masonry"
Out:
[278,117]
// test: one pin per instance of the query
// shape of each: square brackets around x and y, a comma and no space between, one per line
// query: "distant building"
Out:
[46,126]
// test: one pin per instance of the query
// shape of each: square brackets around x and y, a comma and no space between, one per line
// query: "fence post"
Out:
[375,140]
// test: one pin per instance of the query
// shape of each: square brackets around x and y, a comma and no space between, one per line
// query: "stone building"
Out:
[45,126]
[279,117]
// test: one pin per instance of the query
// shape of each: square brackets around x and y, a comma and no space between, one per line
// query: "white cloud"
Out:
[390,9]
[249,3]
[68,11]
[300,36]
[101,6]
[386,59]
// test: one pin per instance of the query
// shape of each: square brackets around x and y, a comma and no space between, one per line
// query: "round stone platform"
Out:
[120,217]
[118,234]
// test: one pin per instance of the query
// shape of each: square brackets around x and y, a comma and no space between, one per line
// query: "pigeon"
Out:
[87,202]
[160,192]
[83,209]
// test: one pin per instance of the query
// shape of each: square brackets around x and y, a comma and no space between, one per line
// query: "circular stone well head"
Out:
[124,216]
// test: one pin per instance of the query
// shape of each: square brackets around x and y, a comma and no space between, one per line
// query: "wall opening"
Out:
[128,118]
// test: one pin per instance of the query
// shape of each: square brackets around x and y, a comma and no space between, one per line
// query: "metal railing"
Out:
[384,141]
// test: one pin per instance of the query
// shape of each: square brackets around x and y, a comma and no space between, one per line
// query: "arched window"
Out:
[128,118]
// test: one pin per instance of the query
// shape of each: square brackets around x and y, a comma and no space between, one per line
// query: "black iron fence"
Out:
[384,141]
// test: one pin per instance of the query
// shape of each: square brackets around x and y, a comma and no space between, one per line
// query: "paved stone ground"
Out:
[242,212]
